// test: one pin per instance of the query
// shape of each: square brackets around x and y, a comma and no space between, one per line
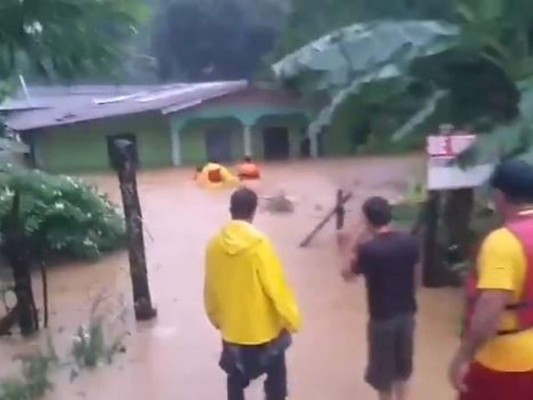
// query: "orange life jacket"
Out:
[215,175]
[249,171]
[522,228]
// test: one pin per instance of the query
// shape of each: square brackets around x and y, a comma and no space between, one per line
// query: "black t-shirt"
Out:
[388,262]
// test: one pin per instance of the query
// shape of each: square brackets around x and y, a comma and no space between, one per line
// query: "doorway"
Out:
[218,144]
[276,143]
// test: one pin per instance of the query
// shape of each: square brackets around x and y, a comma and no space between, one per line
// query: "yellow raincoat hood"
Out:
[239,236]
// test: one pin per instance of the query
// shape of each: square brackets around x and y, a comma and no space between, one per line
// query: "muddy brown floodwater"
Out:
[175,357]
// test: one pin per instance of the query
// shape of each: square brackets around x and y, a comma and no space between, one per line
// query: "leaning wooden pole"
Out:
[333,213]
[123,160]
[340,210]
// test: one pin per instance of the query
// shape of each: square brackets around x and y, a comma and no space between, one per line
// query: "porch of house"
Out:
[227,134]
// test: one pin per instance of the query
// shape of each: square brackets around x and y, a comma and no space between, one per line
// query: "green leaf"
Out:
[503,141]
[420,117]
[387,76]
[361,55]
[361,48]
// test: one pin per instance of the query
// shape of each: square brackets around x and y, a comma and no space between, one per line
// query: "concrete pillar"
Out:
[313,144]
[176,126]
[247,138]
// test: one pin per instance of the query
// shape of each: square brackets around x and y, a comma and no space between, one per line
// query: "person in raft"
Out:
[248,170]
[249,301]
[214,174]
[495,359]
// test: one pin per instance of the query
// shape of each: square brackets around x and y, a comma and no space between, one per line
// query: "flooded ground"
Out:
[176,356]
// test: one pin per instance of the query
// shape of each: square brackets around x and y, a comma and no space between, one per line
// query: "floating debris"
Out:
[279,203]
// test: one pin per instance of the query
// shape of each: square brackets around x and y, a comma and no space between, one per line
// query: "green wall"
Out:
[192,139]
[189,126]
[83,146]
[192,135]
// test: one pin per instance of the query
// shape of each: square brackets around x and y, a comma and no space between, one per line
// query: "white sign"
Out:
[448,146]
[443,174]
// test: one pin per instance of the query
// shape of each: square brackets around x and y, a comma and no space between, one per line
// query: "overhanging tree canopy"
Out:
[482,65]
[360,57]
[65,38]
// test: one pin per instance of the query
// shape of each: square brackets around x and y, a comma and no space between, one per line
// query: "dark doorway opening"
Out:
[218,144]
[276,143]
[305,148]
[124,136]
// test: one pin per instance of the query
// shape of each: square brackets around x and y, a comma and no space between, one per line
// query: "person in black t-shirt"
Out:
[387,259]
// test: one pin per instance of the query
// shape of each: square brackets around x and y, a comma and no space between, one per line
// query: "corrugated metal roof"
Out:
[98,103]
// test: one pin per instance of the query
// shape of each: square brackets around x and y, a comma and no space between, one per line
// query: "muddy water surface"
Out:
[175,357]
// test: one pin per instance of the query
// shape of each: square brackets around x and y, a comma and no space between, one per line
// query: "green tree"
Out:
[310,19]
[65,38]
[56,39]
[482,78]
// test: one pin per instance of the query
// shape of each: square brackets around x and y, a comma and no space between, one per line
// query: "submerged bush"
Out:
[62,216]
[34,382]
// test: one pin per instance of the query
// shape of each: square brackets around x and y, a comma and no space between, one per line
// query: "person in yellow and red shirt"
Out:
[248,300]
[495,359]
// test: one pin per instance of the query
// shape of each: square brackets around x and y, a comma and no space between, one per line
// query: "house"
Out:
[68,129]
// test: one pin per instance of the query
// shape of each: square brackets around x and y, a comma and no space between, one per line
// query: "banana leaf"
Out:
[384,79]
[345,62]
[505,141]
[421,116]
[360,49]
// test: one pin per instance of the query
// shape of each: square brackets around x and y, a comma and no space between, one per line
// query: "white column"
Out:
[175,130]
[313,144]
[247,136]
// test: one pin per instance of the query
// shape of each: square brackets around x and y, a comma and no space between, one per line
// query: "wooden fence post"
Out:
[122,153]
[432,265]
[17,252]
[340,211]
[334,212]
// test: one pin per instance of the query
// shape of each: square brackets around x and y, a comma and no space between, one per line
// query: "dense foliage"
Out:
[65,38]
[310,19]
[62,216]
[133,41]
[481,81]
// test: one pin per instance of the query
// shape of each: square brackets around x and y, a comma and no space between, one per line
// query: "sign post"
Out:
[445,175]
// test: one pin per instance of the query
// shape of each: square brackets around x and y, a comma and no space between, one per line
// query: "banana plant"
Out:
[489,50]
[500,31]
[361,57]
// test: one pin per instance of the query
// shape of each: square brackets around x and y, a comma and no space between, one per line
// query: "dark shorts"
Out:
[390,351]
[244,364]
[485,384]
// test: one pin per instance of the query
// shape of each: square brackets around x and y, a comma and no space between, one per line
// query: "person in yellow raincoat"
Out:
[215,175]
[248,300]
